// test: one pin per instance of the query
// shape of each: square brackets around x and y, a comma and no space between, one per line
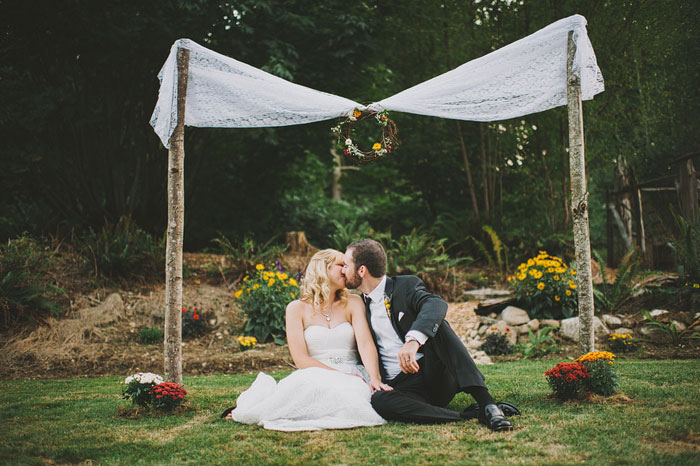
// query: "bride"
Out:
[325,330]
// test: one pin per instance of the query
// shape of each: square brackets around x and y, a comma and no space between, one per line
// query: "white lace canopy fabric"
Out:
[524,77]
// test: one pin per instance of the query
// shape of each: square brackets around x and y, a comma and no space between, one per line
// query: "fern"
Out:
[611,296]
[499,258]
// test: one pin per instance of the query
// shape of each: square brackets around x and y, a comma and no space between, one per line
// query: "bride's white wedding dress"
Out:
[314,398]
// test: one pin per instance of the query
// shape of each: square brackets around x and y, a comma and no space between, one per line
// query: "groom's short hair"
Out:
[371,254]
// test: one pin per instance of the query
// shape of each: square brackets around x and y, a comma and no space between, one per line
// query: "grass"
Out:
[75,420]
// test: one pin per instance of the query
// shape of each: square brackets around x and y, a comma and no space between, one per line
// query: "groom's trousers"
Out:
[409,401]
[445,370]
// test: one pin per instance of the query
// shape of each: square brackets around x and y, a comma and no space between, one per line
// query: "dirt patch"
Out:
[99,335]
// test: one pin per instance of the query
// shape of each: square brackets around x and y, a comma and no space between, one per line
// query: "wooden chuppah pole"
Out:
[176,221]
[579,203]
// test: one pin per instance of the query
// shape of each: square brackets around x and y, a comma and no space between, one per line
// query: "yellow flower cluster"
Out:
[620,336]
[694,285]
[268,278]
[596,355]
[247,341]
[536,266]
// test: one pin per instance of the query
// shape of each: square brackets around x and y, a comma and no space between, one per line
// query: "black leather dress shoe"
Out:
[472,411]
[227,411]
[494,419]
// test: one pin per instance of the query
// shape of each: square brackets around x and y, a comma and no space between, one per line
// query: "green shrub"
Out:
[545,287]
[610,296]
[194,323]
[264,296]
[540,344]
[123,250]
[496,344]
[499,258]
[347,232]
[150,335]
[418,253]
[27,293]
[687,248]
[244,254]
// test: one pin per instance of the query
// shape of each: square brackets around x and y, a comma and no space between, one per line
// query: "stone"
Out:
[658,312]
[550,323]
[492,315]
[522,329]
[473,344]
[534,325]
[570,329]
[473,333]
[624,331]
[487,320]
[650,330]
[484,293]
[611,321]
[514,316]
[523,338]
[484,360]
[680,326]
[483,329]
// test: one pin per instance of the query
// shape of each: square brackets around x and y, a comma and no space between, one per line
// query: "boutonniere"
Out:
[387,305]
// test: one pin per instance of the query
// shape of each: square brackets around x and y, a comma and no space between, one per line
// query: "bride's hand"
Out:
[376,385]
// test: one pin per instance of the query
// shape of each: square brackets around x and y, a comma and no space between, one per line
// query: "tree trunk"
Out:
[176,220]
[579,204]
[470,184]
[688,192]
[337,172]
[484,170]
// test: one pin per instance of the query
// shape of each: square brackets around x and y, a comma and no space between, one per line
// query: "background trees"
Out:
[78,84]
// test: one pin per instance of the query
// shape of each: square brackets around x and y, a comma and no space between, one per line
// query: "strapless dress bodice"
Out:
[333,346]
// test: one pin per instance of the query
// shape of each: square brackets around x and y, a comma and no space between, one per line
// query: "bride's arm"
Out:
[365,343]
[295,338]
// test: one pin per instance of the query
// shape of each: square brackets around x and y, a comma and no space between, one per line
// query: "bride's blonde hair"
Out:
[315,287]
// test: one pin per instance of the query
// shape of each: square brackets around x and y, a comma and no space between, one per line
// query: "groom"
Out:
[419,354]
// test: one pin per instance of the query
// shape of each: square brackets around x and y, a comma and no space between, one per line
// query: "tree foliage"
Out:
[78,84]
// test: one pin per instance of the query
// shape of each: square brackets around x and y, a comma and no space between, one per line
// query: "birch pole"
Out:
[579,203]
[176,220]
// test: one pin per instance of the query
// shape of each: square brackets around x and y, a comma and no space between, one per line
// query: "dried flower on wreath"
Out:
[345,131]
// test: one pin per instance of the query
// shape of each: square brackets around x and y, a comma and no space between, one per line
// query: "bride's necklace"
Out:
[328,316]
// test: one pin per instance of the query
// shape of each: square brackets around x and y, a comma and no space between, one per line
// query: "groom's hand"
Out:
[407,357]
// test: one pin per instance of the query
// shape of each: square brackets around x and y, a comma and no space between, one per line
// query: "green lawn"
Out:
[72,421]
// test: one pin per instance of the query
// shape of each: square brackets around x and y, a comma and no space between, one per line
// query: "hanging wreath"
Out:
[345,130]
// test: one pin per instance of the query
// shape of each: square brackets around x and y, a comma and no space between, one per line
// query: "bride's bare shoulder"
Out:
[297,307]
[355,301]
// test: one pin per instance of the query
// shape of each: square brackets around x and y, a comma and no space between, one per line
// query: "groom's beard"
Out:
[352,283]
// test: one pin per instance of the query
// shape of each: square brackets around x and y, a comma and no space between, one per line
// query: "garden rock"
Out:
[484,293]
[486,320]
[522,329]
[473,344]
[611,321]
[650,331]
[514,316]
[550,323]
[570,328]
[658,312]
[680,326]
[534,325]
[481,358]
[624,331]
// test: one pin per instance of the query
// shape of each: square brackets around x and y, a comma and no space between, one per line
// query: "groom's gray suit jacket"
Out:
[447,364]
